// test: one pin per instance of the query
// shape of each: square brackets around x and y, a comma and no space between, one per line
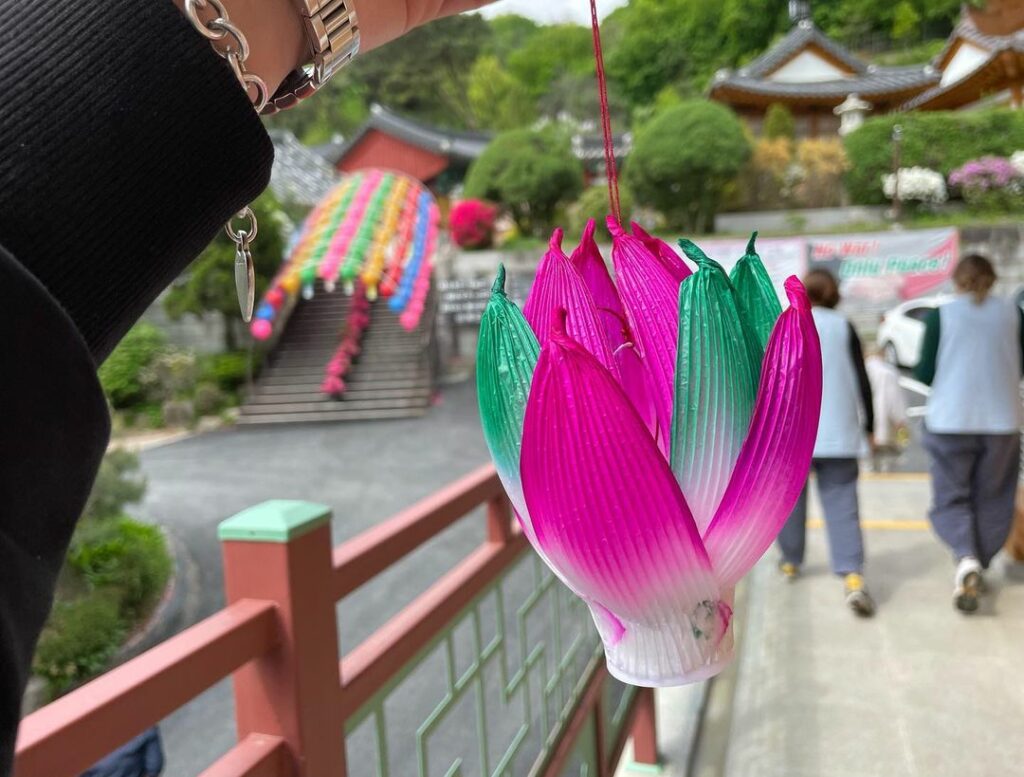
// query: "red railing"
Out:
[278,637]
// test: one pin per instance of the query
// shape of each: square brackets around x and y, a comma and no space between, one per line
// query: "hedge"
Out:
[78,642]
[939,140]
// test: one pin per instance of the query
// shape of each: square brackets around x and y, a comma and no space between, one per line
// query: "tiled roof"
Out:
[466,146]
[794,41]
[299,174]
[873,82]
[968,31]
[866,80]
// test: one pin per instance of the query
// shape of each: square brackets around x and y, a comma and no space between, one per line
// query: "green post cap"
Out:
[276,520]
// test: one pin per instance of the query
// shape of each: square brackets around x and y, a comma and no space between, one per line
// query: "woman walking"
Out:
[847,414]
[972,359]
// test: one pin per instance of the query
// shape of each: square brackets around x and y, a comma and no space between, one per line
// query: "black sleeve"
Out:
[1021,336]
[125,143]
[857,355]
[924,370]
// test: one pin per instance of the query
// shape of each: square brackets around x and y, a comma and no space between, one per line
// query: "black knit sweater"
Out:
[125,143]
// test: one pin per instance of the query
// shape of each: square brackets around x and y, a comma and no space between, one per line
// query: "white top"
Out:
[977,368]
[840,435]
[890,406]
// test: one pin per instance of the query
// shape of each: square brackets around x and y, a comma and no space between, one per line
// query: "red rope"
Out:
[606,119]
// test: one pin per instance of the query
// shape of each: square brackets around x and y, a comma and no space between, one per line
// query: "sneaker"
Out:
[968,584]
[789,571]
[857,597]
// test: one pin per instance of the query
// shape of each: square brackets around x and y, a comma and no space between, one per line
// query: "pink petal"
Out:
[776,456]
[663,252]
[650,295]
[587,260]
[558,285]
[610,518]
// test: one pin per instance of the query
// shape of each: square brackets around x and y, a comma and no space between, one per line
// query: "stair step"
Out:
[326,403]
[330,416]
[351,394]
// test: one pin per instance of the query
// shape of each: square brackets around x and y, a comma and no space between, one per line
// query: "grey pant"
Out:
[974,483]
[837,485]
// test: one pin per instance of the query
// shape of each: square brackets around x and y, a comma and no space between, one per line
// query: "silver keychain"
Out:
[245,270]
[231,44]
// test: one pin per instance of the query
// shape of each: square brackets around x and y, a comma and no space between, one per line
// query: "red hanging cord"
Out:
[606,119]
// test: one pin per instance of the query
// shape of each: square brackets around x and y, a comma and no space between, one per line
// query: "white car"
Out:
[901,332]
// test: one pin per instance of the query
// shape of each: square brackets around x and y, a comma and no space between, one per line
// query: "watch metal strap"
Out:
[332,32]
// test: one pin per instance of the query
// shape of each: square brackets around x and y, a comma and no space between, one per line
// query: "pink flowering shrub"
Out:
[990,183]
[471,223]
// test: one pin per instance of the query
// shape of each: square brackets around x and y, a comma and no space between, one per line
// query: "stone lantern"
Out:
[851,113]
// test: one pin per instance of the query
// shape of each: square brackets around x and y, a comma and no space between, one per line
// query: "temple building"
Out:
[819,80]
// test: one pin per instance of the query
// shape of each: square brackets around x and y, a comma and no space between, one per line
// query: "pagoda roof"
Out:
[752,84]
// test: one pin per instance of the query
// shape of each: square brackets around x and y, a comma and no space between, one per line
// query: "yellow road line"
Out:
[882,524]
[910,477]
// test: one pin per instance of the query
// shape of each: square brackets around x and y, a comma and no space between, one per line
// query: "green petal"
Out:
[757,300]
[715,387]
[506,356]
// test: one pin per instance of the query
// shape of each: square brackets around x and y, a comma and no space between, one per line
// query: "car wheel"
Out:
[890,355]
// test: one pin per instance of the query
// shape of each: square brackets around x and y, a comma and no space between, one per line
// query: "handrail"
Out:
[258,755]
[75,731]
[360,559]
[382,655]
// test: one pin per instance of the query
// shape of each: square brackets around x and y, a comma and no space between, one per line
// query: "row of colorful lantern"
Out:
[349,348]
[376,226]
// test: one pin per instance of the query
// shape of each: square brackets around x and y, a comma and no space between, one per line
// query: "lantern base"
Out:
[697,675]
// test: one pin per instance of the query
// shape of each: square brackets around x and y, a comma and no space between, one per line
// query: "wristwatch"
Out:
[332,33]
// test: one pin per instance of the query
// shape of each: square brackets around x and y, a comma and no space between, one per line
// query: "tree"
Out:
[529,172]
[340,108]
[208,285]
[425,74]
[509,33]
[550,53]
[778,122]
[683,160]
[498,101]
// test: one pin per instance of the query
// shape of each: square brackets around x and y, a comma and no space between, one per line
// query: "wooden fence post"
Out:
[645,729]
[281,551]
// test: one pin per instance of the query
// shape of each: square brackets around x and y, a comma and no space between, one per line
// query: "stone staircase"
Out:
[394,376]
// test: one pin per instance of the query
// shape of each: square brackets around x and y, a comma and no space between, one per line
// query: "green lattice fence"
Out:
[492,694]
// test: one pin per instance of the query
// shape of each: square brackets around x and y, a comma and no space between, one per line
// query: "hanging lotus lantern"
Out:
[653,435]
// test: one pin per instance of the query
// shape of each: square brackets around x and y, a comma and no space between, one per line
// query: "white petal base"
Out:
[685,650]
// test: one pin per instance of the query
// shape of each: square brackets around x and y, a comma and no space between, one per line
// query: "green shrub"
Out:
[594,205]
[778,122]
[119,483]
[939,140]
[684,158]
[171,375]
[78,642]
[228,371]
[530,173]
[122,374]
[209,399]
[126,558]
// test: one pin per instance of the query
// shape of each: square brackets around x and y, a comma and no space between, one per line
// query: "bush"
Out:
[594,205]
[991,183]
[78,642]
[937,140]
[529,172]
[171,375]
[122,374]
[778,123]
[209,399]
[684,158]
[228,370]
[762,182]
[125,559]
[119,483]
[822,162]
[471,223]
[916,184]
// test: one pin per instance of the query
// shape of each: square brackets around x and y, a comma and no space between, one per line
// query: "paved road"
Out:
[364,471]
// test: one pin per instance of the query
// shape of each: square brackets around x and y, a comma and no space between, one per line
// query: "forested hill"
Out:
[468,72]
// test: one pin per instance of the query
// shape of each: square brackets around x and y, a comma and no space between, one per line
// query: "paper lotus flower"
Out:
[651,525]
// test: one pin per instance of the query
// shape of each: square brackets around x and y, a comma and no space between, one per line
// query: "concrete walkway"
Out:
[919,690]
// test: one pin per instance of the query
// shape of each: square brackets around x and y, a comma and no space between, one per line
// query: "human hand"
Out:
[277,42]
